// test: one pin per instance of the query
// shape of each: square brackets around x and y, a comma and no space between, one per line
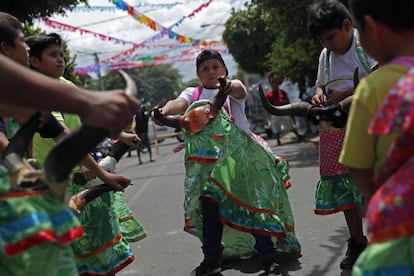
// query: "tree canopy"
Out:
[271,35]
[249,36]
[26,10]
[155,83]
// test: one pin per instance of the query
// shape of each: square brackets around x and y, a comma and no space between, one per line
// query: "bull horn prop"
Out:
[334,114]
[58,164]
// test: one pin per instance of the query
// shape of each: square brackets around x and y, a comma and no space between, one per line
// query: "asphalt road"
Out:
[156,199]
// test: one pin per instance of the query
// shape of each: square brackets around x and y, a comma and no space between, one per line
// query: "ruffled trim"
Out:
[249,219]
[388,258]
[120,259]
[30,219]
[337,194]
[132,229]
[108,270]
[283,167]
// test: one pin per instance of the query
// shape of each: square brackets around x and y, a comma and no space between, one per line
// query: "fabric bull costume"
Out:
[226,165]
[59,164]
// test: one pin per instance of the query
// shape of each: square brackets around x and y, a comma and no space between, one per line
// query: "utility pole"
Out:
[98,72]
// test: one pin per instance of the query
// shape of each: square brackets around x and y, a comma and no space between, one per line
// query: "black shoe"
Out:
[204,269]
[352,253]
[271,265]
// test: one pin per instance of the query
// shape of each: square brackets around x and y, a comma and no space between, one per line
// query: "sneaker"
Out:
[203,270]
[352,253]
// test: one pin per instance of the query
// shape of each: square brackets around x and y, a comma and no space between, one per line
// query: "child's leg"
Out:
[139,154]
[267,251]
[357,242]
[150,153]
[212,233]
[264,246]
[354,222]
[148,145]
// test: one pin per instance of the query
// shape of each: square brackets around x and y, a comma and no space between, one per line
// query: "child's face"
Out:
[337,40]
[19,53]
[209,71]
[52,62]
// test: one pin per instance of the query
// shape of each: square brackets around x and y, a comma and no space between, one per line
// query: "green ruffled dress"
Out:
[247,182]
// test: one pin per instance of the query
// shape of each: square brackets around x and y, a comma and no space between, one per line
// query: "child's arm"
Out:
[174,107]
[235,89]
[131,139]
[112,110]
[108,178]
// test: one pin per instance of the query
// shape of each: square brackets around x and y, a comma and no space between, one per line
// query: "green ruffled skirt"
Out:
[248,183]
[36,232]
[336,194]
[102,250]
[131,228]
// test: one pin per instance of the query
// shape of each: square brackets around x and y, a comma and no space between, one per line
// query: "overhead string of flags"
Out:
[123,59]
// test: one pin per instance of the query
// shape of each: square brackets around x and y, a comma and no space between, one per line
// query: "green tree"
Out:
[26,10]
[249,37]
[273,37]
[154,83]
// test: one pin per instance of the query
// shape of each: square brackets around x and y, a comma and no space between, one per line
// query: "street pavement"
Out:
[157,196]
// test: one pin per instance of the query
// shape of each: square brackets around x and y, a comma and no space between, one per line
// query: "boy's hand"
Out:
[111,110]
[318,99]
[131,139]
[114,180]
[158,123]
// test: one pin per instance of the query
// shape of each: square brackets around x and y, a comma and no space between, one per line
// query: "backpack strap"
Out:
[327,62]
[196,94]
[363,58]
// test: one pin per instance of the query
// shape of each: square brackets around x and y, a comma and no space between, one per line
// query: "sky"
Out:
[124,31]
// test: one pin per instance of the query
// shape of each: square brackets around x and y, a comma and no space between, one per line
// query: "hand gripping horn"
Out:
[196,119]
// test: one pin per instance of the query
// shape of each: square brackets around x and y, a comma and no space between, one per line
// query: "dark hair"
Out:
[9,27]
[325,15]
[39,42]
[397,14]
[206,55]
[274,77]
